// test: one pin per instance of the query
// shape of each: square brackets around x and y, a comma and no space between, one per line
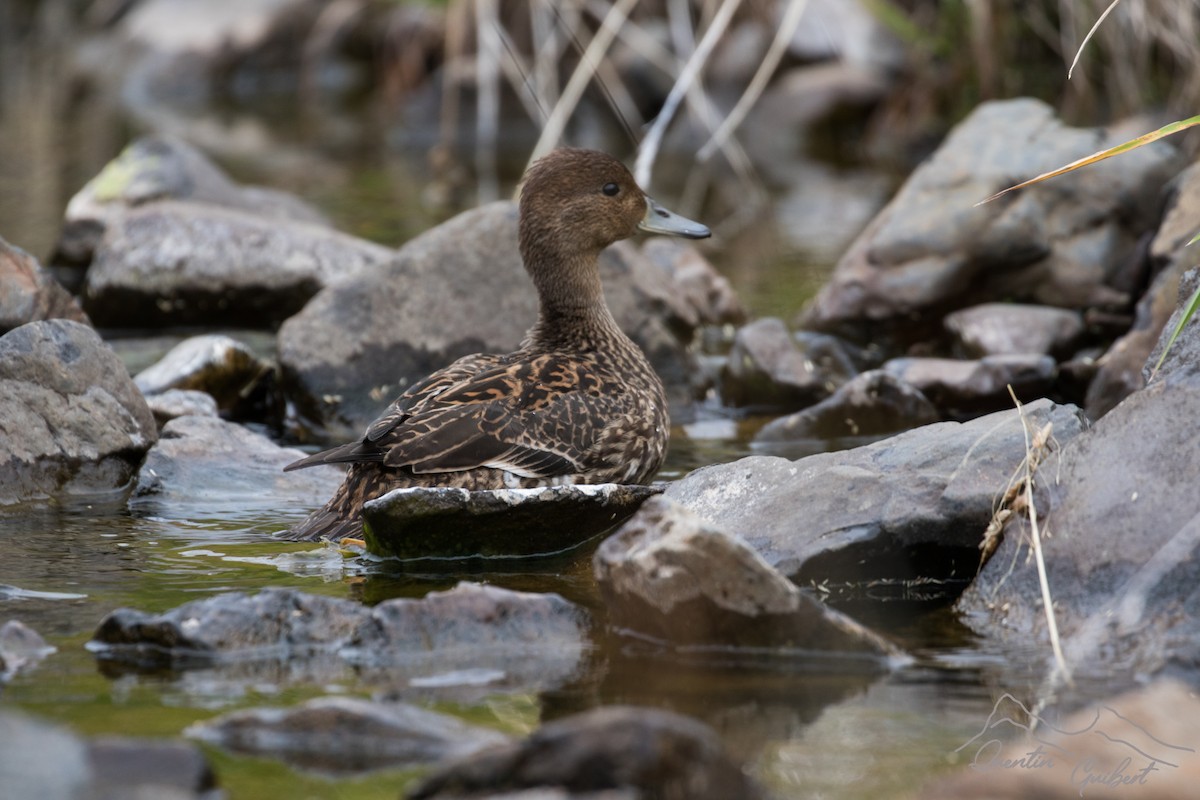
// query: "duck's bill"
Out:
[660,220]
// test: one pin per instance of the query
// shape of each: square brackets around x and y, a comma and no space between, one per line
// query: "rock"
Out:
[648,752]
[1121,368]
[471,640]
[51,763]
[967,388]
[913,505]
[1122,560]
[181,403]
[20,647]
[243,385]
[997,329]
[767,368]
[1059,244]
[71,419]
[873,403]
[669,575]
[204,464]
[360,343]
[185,263]
[706,291]
[1141,744]
[435,523]
[29,293]
[156,168]
[339,735]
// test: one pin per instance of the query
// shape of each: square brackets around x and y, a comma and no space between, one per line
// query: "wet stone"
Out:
[967,388]
[670,575]
[430,524]
[21,647]
[243,385]
[71,419]
[767,368]
[911,506]
[873,403]
[643,751]
[994,329]
[173,403]
[339,735]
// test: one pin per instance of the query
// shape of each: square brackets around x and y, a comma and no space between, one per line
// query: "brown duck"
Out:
[577,403]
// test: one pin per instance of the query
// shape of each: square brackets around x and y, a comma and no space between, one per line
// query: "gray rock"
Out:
[435,523]
[71,419]
[185,263]
[1181,362]
[469,641]
[996,329]
[339,735]
[158,168]
[873,403]
[51,763]
[360,343]
[619,748]
[222,367]
[1057,244]
[1123,557]
[967,388]
[768,368]
[29,293]
[205,463]
[913,505]
[21,647]
[706,291]
[670,575]
[181,403]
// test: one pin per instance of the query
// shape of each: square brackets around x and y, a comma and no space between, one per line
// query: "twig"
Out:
[487,111]
[766,68]
[695,63]
[1036,538]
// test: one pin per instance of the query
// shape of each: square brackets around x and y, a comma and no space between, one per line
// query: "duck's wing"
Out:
[420,394]
[536,418]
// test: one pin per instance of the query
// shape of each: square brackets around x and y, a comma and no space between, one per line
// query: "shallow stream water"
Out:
[803,726]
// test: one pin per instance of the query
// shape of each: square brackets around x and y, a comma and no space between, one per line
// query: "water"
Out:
[806,728]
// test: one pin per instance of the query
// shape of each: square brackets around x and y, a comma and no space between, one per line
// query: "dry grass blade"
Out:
[1124,147]
[1035,536]
[1089,36]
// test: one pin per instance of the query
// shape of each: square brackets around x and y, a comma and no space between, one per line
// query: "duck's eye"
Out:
[611,189]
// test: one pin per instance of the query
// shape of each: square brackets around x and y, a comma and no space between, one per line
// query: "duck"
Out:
[577,403]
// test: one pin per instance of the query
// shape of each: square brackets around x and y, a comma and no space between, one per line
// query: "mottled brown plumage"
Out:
[578,403]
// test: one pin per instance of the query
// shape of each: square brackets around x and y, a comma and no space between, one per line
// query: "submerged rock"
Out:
[360,343]
[933,249]
[21,647]
[71,419]
[669,575]
[522,641]
[767,368]
[873,403]
[1140,744]
[185,263]
[160,168]
[996,329]
[45,761]
[437,523]
[637,752]
[911,506]
[344,735]
[208,463]
[243,385]
[29,293]
[968,388]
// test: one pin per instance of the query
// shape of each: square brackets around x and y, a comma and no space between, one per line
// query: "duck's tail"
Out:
[341,517]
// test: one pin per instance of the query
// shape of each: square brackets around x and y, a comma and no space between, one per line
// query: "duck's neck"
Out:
[573,313]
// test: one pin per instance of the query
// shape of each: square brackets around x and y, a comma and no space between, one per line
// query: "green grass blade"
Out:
[1188,312]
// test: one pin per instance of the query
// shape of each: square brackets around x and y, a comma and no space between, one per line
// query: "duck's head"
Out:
[584,200]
